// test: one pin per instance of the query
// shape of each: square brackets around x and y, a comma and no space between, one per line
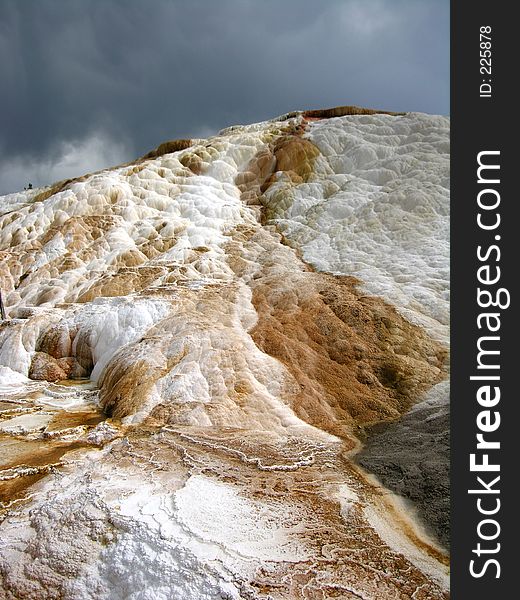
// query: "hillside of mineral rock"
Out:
[224,368]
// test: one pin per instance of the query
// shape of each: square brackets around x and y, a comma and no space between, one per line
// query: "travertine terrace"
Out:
[201,344]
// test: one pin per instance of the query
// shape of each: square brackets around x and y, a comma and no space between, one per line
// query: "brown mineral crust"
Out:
[126,280]
[66,420]
[357,360]
[251,180]
[56,341]
[5,260]
[82,230]
[289,153]
[295,157]
[168,147]
[155,246]
[85,234]
[125,388]
[14,266]
[82,350]
[59,355]
[198,158]
[47,368]
[40,462]
[341,111]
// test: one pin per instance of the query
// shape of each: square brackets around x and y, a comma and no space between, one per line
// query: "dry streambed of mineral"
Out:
[218,356]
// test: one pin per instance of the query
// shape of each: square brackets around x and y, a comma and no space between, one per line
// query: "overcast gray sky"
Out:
[87,84]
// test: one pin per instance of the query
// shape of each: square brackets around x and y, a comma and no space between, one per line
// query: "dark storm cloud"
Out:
[87,81]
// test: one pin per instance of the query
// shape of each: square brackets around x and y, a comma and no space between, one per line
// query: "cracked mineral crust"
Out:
[224,368]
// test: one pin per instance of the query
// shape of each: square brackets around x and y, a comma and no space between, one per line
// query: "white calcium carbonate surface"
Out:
[378,208]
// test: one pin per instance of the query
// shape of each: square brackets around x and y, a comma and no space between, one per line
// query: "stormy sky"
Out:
[87,84]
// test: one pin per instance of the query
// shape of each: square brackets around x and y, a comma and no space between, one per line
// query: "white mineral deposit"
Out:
[224,367]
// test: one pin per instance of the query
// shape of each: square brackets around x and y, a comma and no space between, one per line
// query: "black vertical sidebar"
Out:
[484,118]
